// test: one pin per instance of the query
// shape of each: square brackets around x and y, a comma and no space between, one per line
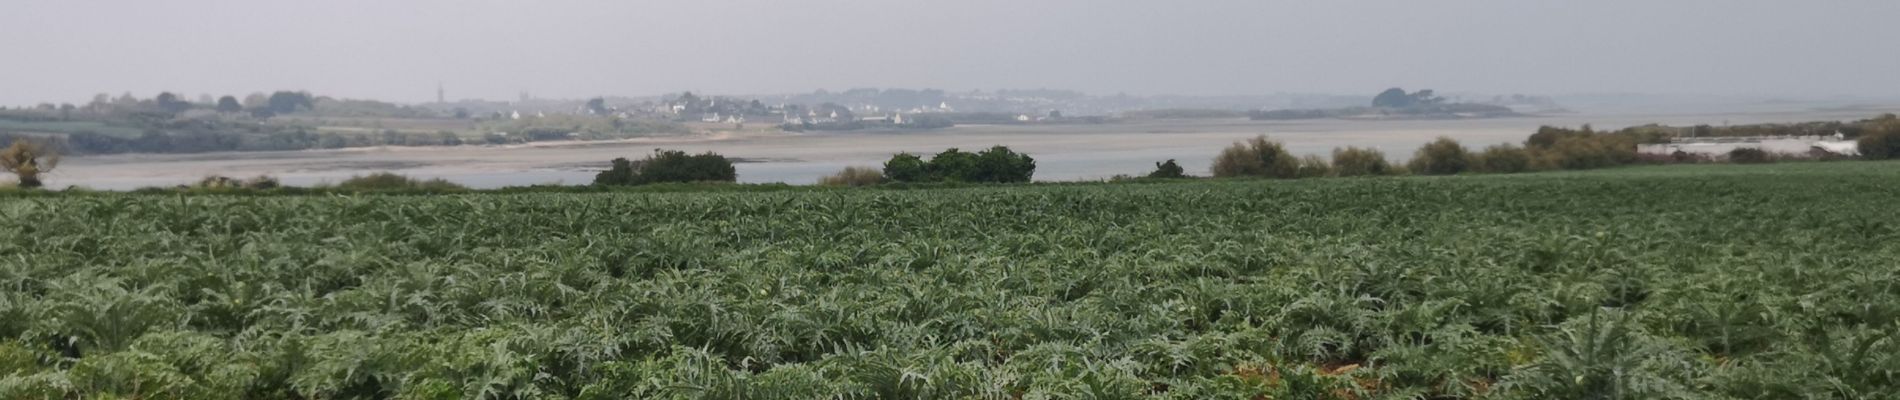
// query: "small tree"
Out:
[620,173]
[952,165]
[1168,170]
[172,103]
[1257,157]
[1355,161]
[999,164]
[228,104]
[27,159]
[285,102]
[906,167]
[597,106]
[1440,157]
[1750,155]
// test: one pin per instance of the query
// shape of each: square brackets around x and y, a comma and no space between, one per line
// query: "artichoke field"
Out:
[1775,281]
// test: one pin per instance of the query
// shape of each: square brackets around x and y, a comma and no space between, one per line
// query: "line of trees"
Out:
[1549,149]
[996,165]
[668,166]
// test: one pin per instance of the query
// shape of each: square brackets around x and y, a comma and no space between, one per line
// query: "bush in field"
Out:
[853,176]
[1501,159]
[1354,161]
[1256,157]
[997,165]
[1440,157]
[1313,166]
[1587,152]
[1547,136]
[1563,148]
[906,167]
[668,166]
[1750,155]
[1882,142]
[951,165]
[393,181]
[27,159]
[1168,170]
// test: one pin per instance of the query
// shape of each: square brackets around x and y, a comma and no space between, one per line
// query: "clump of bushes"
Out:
[1256,157]
[1750,155]
[668,166]
[996,165]
[1587,152]
[1443,156]
[853,176]
[1501,159]
[1312,166]
[1354,161]
[1168,170]
[386,181]
[1881,141]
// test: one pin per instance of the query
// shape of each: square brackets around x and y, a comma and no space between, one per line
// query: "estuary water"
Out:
[1062,152]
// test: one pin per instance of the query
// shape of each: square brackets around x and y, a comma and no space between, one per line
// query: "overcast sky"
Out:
[399,50]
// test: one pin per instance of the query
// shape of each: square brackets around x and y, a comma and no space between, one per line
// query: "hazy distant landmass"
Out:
[1396,103]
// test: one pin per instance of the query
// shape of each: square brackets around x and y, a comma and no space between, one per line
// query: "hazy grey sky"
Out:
[398,50]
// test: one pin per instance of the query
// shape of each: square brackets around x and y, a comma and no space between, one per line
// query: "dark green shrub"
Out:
[668,166]
[951,165]
[1256,157]
[1168,170]
[996,165]
[1354,161]
[1750,155]
[999,164]
[906,167]
[1880,143]
[1440,157]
